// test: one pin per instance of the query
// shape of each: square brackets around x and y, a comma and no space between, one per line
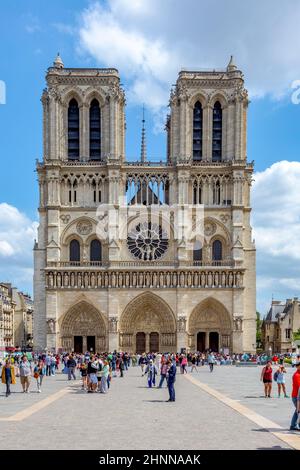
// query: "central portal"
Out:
[147,325]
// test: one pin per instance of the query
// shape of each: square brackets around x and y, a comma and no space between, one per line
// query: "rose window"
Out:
[147,241]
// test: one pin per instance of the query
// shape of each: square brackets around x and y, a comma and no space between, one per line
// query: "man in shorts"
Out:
[25,374]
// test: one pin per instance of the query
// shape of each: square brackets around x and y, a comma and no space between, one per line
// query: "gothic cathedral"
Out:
[143,255]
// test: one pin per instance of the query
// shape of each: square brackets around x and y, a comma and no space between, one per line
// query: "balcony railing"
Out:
[139,263]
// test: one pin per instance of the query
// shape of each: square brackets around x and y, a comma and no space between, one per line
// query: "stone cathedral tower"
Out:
[144,286]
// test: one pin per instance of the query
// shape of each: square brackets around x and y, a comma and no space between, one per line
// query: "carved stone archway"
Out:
[83,320]
[210,319]
[148,314]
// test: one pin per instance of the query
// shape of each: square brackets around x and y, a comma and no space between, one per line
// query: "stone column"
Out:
[181,333]
[147,342]
[113,340]
[207,340]
[84,344]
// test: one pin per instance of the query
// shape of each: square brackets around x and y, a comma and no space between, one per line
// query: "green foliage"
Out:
[258,329]
[296,335]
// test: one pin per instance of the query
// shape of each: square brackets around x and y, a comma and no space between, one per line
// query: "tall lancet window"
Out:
[217,133]
[73,130]
[197,132]
[95,131]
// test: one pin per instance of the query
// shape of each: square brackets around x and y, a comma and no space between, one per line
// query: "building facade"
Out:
[281,323]
[108,275]
[23,322]
[7,314]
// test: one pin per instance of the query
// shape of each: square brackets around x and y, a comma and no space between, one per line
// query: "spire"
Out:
[231,67]
[143,143]
[58,63]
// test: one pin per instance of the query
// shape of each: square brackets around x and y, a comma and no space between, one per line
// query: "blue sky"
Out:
[149,41]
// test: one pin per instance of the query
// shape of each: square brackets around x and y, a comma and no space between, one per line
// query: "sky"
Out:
[149,41]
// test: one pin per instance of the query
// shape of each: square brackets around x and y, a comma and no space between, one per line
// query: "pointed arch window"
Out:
[217,250]
[217,133]
[74,251]
[197,131]
[95,131]
[197,251]
[73,130]
[95,251]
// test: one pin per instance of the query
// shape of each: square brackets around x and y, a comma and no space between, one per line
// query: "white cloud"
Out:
[150,41]
[17,233]
[276,229]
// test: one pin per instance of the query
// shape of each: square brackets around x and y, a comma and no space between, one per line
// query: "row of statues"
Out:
[164,279]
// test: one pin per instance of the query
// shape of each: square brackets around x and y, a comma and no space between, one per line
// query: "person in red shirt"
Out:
[296,398]
[266,377]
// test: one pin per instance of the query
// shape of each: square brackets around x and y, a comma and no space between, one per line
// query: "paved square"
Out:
[131,416]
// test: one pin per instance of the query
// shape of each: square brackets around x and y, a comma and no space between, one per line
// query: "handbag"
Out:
[36,375]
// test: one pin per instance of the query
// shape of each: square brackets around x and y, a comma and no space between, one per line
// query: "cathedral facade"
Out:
[141,255]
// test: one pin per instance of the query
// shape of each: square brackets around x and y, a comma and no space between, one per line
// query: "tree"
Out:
[296,335]
[258,329]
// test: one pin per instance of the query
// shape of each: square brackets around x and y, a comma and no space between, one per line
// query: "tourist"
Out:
[48,364]
[266,377]
[104,377]
[143,362]
[25,374]
[71,365]
[92,375]
[8,376]
[83,372]
[163,373]
[296,398]
[52,365]
[121,366]
[39,372]
[183,364]
[193,362]
[171,377]
[280,379]
[151,371]
[211,360]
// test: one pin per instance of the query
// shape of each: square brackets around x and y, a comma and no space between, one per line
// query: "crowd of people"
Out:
[96,371]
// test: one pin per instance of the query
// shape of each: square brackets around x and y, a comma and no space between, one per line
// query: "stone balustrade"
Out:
[217,278]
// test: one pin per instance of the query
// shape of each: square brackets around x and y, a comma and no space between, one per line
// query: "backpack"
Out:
[276,376]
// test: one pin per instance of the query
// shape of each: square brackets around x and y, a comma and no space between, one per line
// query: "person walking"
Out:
[193,362]
[163,373]
[211,361]
[8,376]
[48,364]
[25,374]
[296,398]
[266,377]
[280,379]
[171,377]
[143,362]
[71,365]
[92,368]
[104,377]
[151,371]
[184,363]
[39,373]
[83,371]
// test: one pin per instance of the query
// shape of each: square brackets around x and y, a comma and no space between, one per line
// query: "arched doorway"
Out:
[201,341]
[214,341]
[154,342]
[83,329]
[210,327]
[151,316]
[140,342]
